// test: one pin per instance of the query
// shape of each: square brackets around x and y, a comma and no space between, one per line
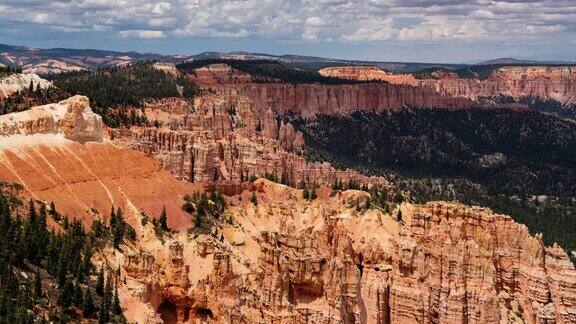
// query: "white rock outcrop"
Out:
[73,118]
[18,82]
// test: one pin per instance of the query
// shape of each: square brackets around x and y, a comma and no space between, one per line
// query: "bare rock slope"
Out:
[325,261]
[57,153]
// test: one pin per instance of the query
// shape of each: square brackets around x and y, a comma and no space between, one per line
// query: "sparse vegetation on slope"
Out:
[123,86]
[505,153]
[45,275]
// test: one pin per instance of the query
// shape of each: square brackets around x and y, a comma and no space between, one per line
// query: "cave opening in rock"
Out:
[168,312]
[202,313]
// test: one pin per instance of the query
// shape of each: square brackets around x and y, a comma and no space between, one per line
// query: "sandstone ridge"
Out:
[326,261]
[549,82]
[72,118]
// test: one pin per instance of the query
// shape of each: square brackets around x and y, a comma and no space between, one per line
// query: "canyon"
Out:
[224,140]
[312,99]
[274,256]
[549,82]
[288,259]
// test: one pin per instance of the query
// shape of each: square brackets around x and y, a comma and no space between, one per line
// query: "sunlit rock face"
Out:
[72,118]
[325,261]
[547,82]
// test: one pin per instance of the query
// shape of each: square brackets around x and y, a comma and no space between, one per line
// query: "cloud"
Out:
[305,20]
[142,33]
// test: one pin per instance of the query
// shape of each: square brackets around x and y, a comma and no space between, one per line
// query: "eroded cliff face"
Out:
[225,139]
[557,83]
[325,261]
[72,118]
[57,153]
[312,99]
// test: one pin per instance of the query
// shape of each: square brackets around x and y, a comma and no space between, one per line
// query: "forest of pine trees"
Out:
[44,274]
[269,70]
[7,70]
[205,207]
[112,90]
[32,96]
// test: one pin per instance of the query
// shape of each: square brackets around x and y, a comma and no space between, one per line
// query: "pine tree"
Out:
[306,194]
[66,294]
[37,285]
[100,283]
[399,216]
[163,220]
[117,309]
[88,304]
[254,199]
[78,295]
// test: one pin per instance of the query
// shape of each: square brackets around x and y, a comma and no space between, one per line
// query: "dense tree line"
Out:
[505,153]
[44,274]
[480,71]
[7,70]
[268,70]
[121,87]
[31,97]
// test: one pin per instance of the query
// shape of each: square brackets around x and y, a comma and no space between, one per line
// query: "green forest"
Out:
[498,158]
[47,274]
[115,87]
[268,71]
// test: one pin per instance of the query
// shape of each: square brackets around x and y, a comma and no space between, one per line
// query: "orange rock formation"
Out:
[43,149]
[550,82]
[288,259]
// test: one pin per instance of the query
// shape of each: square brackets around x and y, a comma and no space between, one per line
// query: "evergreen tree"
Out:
[306,194]
[37,286]
[163,220]
[399,216]
[254,199]
[100,283]
[78,295]
[66,294]
[88,304]
[117,308]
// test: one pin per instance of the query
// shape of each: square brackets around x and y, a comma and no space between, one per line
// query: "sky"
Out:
[453,31]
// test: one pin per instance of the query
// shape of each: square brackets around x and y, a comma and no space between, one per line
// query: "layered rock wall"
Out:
[549,82]
[325,261]
[311,99]
[73,118]
[224,139]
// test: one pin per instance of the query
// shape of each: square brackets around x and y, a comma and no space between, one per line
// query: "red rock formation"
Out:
[44,151]
[324,261]
[224,140]
[558,83]
[311,99]
[73,118]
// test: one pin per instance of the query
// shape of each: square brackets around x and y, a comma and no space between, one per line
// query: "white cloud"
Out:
[373,31]
[142,33]
[437,29]
[307,20]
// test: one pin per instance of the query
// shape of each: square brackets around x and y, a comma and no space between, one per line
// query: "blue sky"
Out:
[386,30]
